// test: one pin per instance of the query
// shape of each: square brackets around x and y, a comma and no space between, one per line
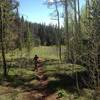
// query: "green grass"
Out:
[49,52]
[20,71]
[46,52]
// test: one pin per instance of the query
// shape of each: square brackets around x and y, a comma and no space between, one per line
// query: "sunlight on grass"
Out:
[50,52]
[45,52]
[63,68]
[20,71]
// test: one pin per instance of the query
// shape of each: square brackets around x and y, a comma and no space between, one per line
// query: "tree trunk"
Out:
[2,43]
[58,36]
[66,30]
[76,46]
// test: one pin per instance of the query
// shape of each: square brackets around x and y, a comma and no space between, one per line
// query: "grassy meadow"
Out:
[50,52]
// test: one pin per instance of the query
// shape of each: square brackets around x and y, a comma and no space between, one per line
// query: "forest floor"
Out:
[55,81]
[56,84]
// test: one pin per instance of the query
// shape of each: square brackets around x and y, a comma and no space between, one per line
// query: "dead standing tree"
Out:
[56,5]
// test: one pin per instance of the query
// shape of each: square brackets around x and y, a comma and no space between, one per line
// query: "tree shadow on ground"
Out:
[66,82]
[17,81]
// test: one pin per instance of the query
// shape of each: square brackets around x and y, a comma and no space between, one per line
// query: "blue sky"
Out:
[36,11]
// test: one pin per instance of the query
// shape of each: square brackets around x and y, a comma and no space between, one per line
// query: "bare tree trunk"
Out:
[76,47]
[58,36]
[2,43]
[79,23]
[66,29]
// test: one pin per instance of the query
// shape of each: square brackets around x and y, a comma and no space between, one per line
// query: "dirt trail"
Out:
[39,91]
[43,79]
